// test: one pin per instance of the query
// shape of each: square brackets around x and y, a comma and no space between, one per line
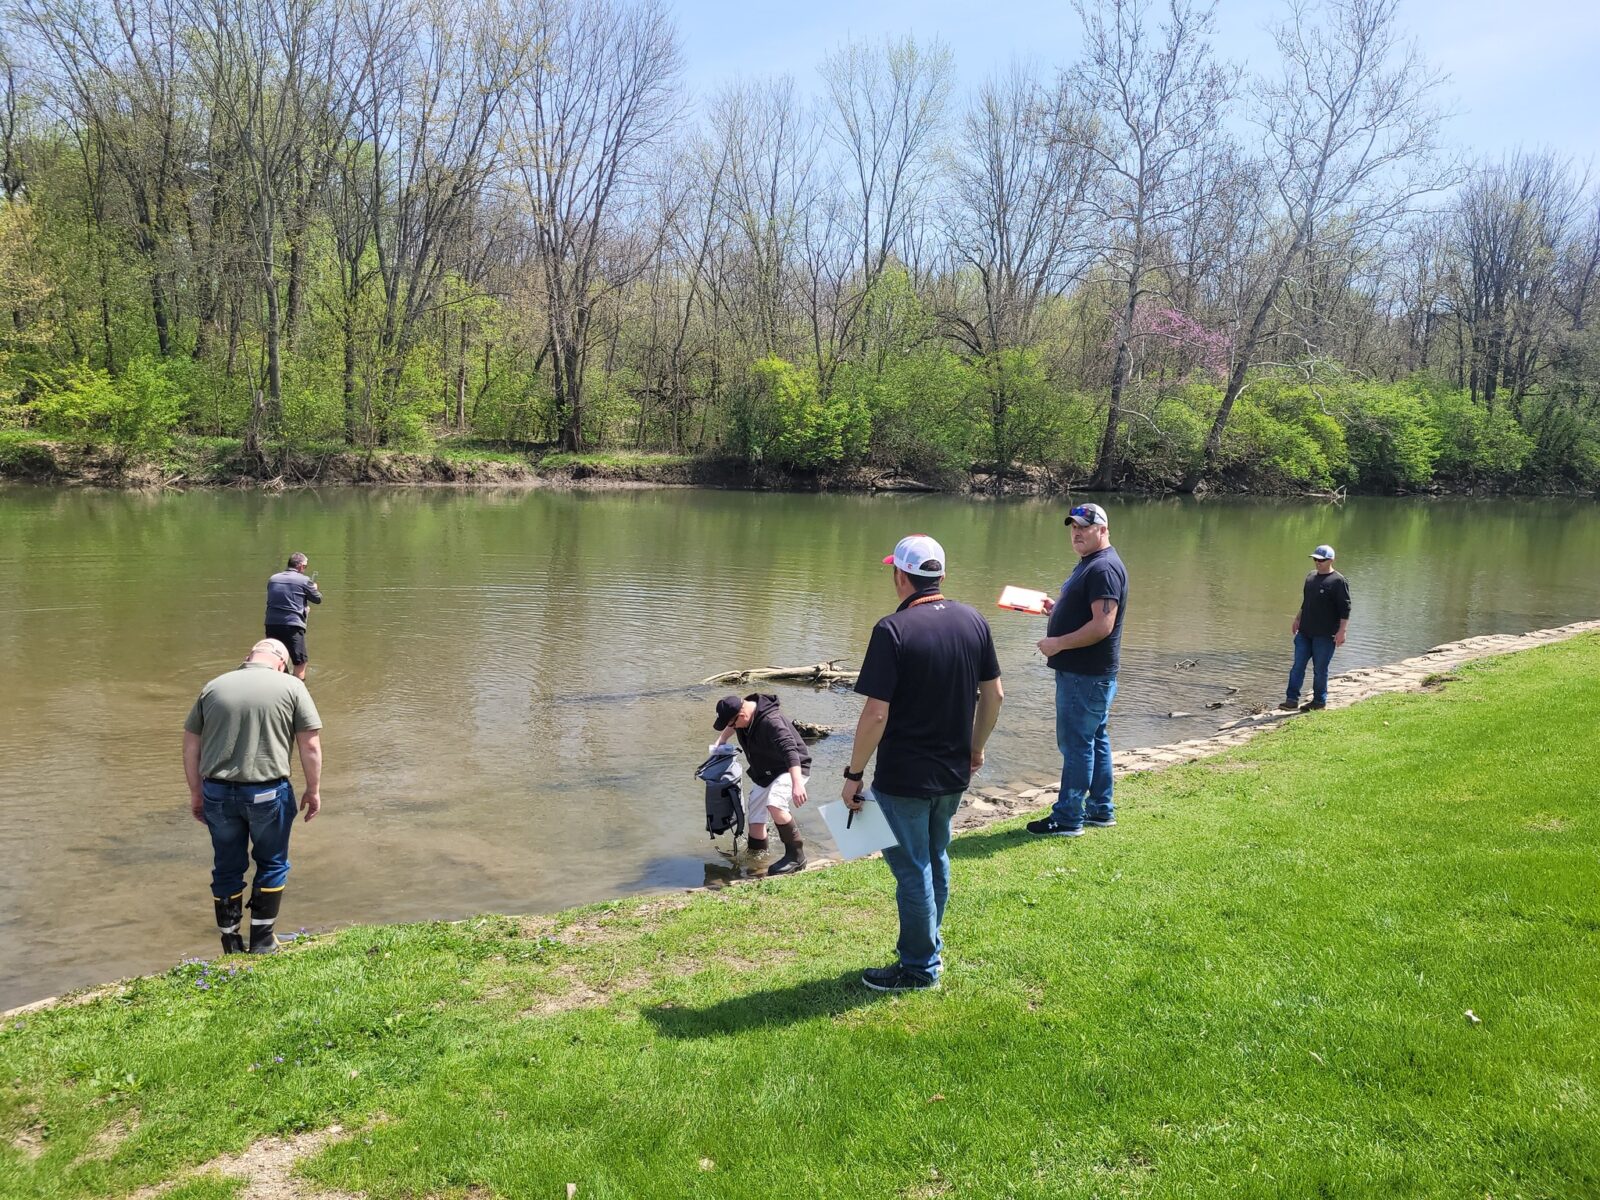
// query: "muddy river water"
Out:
[509,679]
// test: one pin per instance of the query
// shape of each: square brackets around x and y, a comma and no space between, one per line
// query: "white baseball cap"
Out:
[1323,553]
[918,554]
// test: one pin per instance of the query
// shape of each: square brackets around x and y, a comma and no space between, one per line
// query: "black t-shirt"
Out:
[1326,603]
[1098,576]
[926,661]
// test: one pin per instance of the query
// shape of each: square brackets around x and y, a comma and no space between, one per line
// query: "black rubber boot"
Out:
[264,907]
[794,851]
[756,845]
[229,912]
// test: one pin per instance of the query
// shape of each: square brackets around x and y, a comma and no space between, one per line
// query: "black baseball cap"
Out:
[727,709]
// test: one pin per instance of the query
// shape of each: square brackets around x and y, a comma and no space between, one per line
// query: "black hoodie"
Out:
[771,743]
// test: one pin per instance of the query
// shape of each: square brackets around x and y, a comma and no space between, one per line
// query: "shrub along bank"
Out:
[928,415]
[1258,984]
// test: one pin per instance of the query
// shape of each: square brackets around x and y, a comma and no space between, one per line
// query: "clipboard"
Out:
[865,835]
[1023,600]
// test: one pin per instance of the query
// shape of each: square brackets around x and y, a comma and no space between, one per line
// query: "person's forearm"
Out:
[1096,629]
[1344,623]
[983,721]
[311,764]
[191,763]
[869,732]
[795,776]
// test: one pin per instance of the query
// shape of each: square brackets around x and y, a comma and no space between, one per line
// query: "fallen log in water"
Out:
[815,673]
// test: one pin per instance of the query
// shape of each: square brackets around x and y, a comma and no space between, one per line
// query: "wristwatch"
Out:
[854,776]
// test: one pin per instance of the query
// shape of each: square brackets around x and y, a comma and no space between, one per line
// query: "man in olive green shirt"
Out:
[236,744]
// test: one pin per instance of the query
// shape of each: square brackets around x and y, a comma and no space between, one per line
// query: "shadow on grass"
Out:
[829,997]
[981,843]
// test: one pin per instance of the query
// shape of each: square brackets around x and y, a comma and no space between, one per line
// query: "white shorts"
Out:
[777,794]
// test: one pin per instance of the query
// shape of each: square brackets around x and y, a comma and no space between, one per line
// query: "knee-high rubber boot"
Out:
[755,845]
[229,912]
[794,851]
[263,913]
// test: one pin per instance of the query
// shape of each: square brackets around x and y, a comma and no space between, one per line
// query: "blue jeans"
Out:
[1083,710]
[245,819]
[921,866]
[1318,651]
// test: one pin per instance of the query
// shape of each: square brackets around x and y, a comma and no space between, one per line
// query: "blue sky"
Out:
[1531,78]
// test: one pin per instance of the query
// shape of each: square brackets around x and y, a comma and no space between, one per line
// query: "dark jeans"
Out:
[921,867]
[1083,735]
[246,819]
[1318,651]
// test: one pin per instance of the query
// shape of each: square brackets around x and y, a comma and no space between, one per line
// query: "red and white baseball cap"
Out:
[919,554]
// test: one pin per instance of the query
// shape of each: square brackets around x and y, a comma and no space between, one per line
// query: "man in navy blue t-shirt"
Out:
[932,683]
[1081,642]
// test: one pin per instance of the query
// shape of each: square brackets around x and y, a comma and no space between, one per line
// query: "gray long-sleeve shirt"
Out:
[288,593]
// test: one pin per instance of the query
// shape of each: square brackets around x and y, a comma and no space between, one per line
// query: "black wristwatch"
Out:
[854,776]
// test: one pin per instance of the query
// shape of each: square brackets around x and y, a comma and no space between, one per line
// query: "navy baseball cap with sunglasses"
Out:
[1087,514]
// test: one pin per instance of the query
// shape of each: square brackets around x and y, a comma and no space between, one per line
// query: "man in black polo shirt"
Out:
[1318,629]
[1082,642]
[932,683]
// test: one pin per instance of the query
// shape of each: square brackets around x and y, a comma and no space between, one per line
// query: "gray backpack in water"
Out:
[724,796]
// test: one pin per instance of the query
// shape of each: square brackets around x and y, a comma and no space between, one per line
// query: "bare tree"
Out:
[1157,95]
[1348,134]
[1019,176]
[431,122]
[594,103]
[269,69]
[120,70]
[887,108]
[764,150]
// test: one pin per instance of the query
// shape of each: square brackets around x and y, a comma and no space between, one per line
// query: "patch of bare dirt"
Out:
[598,928]
[578,991]
[267,1167]
[105,1143]
[30,1140]
[1546,823]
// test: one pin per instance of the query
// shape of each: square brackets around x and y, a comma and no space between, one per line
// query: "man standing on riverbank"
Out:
[289,595]
[236,759]
[780,767]
[1318,629]
[1082,643]
[932,683]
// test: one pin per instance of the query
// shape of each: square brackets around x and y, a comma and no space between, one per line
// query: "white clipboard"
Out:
[867,834]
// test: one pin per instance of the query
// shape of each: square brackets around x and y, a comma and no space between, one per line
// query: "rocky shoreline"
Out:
[988,803]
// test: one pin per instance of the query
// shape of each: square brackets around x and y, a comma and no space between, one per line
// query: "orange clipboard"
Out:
[1023,600]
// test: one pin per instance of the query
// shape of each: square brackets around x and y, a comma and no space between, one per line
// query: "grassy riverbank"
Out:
[1256,985]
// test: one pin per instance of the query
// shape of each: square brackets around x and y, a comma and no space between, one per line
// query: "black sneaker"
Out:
[1100,822]
[1315,706]
[1050,827]
[1289,705]
[897,979]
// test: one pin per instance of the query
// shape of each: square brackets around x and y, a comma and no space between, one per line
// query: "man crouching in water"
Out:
[780,765]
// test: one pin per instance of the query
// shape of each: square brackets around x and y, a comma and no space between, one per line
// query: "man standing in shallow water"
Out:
[1082,643]
[932,683]
[289,595]
[236,759]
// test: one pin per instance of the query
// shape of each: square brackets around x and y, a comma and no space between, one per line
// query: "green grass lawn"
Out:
[1256,985]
